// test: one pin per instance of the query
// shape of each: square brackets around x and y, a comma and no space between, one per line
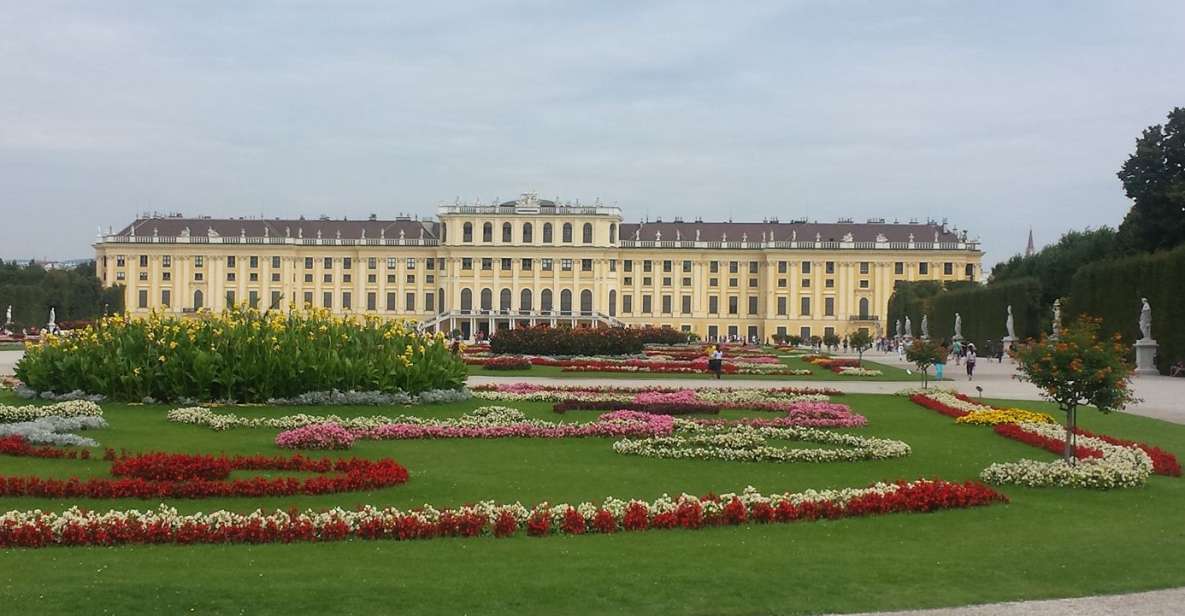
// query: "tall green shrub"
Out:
[75,294]
[1112,290]
[984,310]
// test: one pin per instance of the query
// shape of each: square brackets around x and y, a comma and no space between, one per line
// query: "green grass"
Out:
[1046,543]
[891,373]
[12,346]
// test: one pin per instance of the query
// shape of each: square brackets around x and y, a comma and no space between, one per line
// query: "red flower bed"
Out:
[935,405]
[1051,445]
[1163,462]
[685,408]
[164,475]
[18,446]
[38,529]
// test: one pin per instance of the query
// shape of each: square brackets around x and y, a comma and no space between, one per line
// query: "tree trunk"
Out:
[1071,424]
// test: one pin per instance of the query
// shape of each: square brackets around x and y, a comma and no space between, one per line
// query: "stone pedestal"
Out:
[1146,357]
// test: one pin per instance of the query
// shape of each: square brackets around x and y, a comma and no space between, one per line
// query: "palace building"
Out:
[480,268]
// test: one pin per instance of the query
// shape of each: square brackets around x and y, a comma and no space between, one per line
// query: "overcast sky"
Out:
[996,115]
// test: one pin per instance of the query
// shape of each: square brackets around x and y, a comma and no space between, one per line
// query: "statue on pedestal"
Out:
[1146,346]
[925,327]
[958,327]
[1145,320]
[52,326]
[908,327]
[1057,318]
[1010,325]
[897,326]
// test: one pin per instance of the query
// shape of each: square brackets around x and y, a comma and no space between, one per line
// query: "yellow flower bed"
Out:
[1000,416]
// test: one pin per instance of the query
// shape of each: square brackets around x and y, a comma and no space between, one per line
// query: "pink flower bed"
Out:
[802,414]
[316,436]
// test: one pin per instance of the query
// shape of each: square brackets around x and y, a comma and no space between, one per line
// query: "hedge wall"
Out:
[1112,290]
[912,299]
[984,310]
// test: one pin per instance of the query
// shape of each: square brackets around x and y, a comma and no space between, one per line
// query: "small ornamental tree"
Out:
[794,340]
[816,341]
[923,354]
[1077,369]
[860,341]
[831,340]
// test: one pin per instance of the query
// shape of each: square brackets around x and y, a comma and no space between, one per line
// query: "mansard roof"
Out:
[788,231]
[277,227]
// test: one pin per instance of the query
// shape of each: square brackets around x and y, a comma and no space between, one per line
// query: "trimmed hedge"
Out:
[543,340]
[1112,290]
[984,310]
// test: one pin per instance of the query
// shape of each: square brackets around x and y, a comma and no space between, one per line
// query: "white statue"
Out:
[958,326]
[908,326]
[1010,325]
[1145,320]
[926,326]
[8,316]
[897,326]
[1057,317]
[52,326]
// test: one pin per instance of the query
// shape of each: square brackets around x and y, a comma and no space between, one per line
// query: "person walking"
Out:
[970,362]
[940,361]
[717,363]
[957,350]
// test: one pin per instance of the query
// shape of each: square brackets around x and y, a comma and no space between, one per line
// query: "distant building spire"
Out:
[1030,250]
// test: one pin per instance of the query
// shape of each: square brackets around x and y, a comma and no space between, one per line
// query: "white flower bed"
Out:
[749,444]
[55,430]
[1120,466]
[853,371]
[480,417]
[29,412]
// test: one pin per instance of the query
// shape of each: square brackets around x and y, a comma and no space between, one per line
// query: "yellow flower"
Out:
[161,359]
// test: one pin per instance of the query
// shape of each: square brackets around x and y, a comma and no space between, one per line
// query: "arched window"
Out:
[612,303]
[547,233]
[466,300]
[199,300]
[440,299]
[487,233]
[545,300]
[504,300]
[613,233]
[863,307]
[467,232]
[586,235]
[566,301]
[506,233]
[527,233]
[567,237]
[586,302]
[524,301]
[487,299]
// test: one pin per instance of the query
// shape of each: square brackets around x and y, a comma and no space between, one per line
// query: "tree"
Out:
[923,354]
[1056,264]
[860,341]
[1078,369]
[1154,179]
[794,340]
[831,340]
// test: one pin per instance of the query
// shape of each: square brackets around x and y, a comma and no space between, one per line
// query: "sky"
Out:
[996,115]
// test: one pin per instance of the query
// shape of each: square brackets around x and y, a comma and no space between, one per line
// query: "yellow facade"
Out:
[533,261]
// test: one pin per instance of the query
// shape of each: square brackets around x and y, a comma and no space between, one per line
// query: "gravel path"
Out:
[1169,602]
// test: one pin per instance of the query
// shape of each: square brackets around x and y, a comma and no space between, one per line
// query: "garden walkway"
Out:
[1153,603]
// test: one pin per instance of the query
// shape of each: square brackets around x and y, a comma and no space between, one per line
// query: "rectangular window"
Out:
[308,263]
[230,298]
[429,302]
[166,261]
[647,265]
[466,263]
[829,267]
[327,299]
[275,262]
[627,265]
[411,263]
[565,265]
[863,284]
[327,263]
[372,262]
[252,262]
[308,277]
[948,268]
[276,297]
[586,265]
[628,280]
[119,261]
[253,299]
[734,283]
[806,267]
[734,306]
[525,264]
[197,276]
[275,276]
[627,304]
[430,263]
[899,268]
[166,297]
[687,281]
[667,306]
[734,267]
[372,300]
[392,278]
[781,306]
[410,302]
[686,266]
[308,299]
[613,265]
[392,262]
[806,283]
[714,267]
[752,283]
[327,278]
[805,333]
[487,264]
[647,281]
[781,283]
[828,306]
[752,304]
[230,261]
[686,304]
[545,265]
[411,279]
[144,260]
[253,277]
[713,282]
[864,267]
[347,300]
[347,263]
[230,276]
[666,281]
[507,264]
[783,266]
[370,278]
[647,304]
[924,268]
[713,304]
[392,302]
[805,307]
[142,298]
[829,283]
[753,267]
[667,266]
[166,275]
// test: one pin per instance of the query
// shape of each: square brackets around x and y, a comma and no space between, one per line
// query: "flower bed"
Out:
[55,430]
[1003,416]
[657,408]
[503,422]
[317,436]
[511,392]
[77,527]
[29,412]
[692,440]
[1163,462]
[543,340]
[161,475]
[241,355]
[507,363]
[853,371]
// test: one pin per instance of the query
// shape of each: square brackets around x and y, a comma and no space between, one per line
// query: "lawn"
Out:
[891,373]
[1046,543]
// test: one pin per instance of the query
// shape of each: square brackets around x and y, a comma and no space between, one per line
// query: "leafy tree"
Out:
[831,340]
[794,340]
[1078,369]
[923,354]
[76,294]
[860,341]
[1056,264]
[1154,179]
